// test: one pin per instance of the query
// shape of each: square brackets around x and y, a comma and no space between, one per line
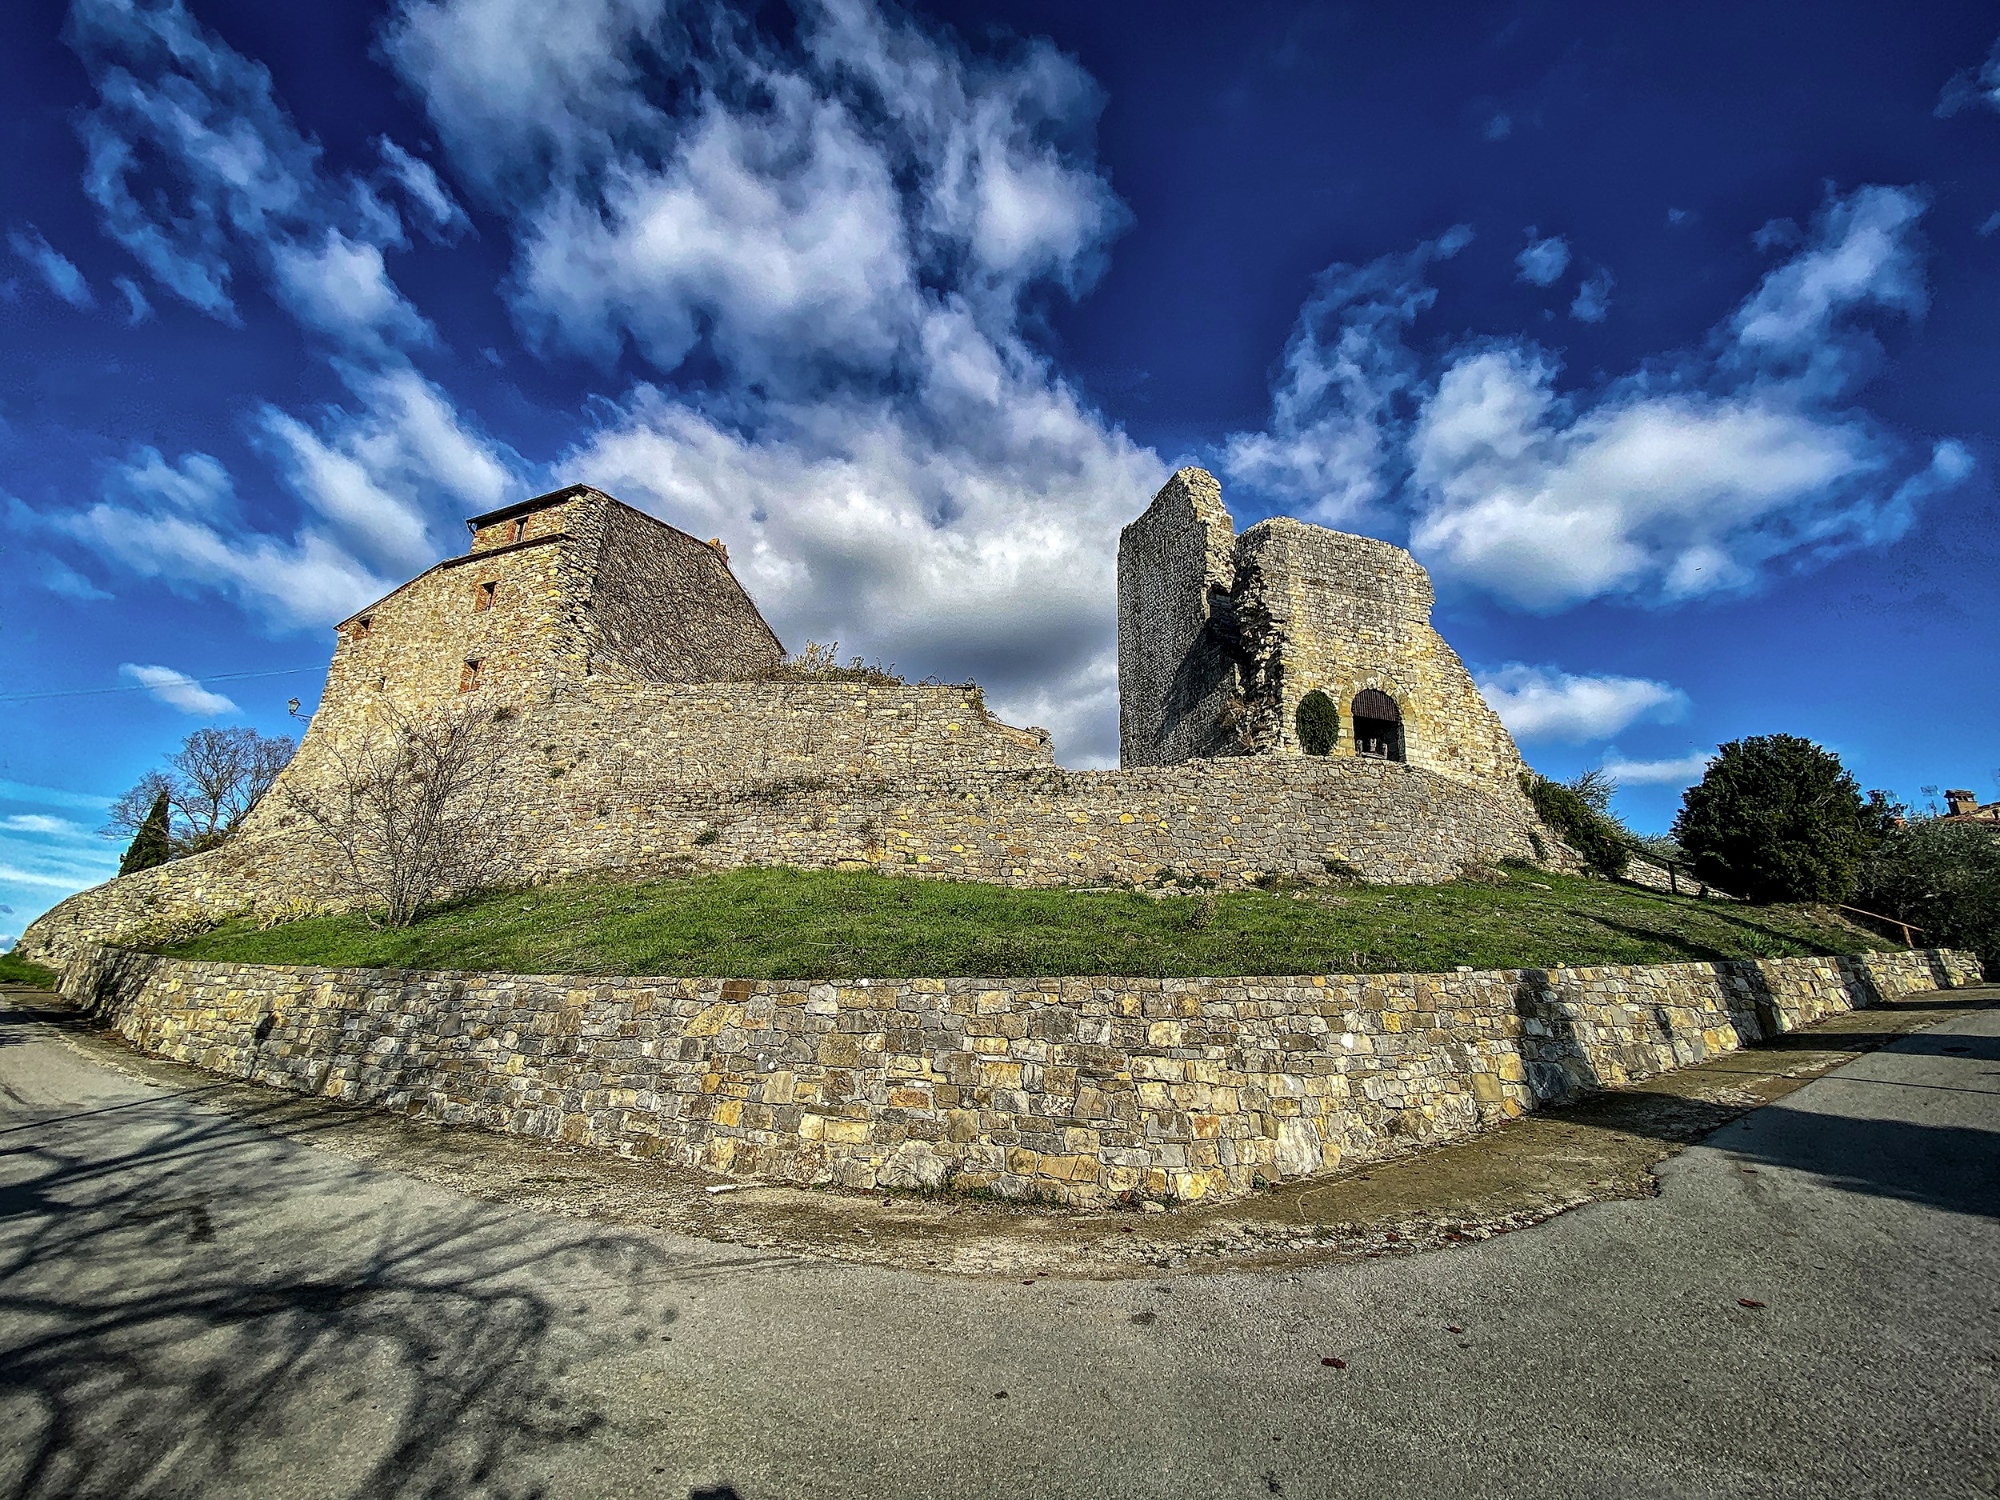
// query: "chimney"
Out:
[1960,804]
[720,550]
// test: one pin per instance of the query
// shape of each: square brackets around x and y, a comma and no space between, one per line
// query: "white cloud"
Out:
[340,287]
[1337,411]
[137,307]
[1684,771]
[1972,86]
[42,823]
[1593,298]
[1543,261]
[1695,475]
[59,578]
[1863,253]
[1499,127]
[58,271]
[178,690]
[1544,703]
[441,217]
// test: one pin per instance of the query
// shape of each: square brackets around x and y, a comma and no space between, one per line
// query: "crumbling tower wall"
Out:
[1176,626]
[1221,638]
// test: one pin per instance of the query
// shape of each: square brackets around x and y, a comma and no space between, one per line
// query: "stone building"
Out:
[567,586]
[1288,640]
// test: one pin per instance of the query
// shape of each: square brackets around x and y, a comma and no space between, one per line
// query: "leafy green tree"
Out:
[1777,818]
[153,843]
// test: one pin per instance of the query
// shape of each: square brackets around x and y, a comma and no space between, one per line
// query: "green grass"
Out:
[792,924]
[15,970]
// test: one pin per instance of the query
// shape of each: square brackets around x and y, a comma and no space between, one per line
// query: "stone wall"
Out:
[1075,1089]
[650,779]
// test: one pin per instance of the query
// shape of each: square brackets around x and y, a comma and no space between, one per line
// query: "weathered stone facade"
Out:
[1075,1089]
[1221,637]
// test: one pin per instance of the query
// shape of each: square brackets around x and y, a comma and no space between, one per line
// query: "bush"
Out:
[1597,837]
[1943,877]
[1318,723]
[1776,818]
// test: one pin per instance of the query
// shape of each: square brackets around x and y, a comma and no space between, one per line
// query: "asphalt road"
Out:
[191,1306]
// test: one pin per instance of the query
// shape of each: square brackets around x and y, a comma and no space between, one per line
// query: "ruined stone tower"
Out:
[567,586]
[1288,640]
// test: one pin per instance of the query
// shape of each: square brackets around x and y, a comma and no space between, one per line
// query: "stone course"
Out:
[1075,1089]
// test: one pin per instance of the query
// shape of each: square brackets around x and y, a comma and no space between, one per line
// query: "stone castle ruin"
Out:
[1288,640]
[1286,710]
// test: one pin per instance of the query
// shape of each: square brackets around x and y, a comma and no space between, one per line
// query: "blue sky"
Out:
[1664,340]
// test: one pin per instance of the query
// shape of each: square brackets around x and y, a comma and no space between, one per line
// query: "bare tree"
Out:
[414,806]
[210,784]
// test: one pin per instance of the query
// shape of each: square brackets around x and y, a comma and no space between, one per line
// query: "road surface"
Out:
[190,1305]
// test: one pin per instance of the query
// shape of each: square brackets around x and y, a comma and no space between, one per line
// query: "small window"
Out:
[469,678]
[1378,725]
[483,598]
[520,528]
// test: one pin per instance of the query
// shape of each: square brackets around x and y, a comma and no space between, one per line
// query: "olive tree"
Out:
[1941,875]
[413,806]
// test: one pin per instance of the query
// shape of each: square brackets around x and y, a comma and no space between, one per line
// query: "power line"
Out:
[141,687]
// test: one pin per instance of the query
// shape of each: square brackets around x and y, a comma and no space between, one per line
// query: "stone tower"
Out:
[569,585]
[1222,640]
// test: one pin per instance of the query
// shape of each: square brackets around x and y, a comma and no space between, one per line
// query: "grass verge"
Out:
[15,970]
[797,924]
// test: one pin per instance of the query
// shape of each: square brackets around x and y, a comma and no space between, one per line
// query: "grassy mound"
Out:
[796,924]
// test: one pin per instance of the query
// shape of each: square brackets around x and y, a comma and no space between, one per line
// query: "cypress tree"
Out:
[152,844]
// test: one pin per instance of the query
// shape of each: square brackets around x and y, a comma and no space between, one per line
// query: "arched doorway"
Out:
[1318,723]
[1378,725]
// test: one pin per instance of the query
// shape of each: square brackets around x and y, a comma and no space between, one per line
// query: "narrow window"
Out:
[520,528]
[469,678]
[483,599]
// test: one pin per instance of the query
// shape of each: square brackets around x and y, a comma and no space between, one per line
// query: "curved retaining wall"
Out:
[1073,1088]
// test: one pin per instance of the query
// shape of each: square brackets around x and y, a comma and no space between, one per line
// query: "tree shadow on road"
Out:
[189,1305]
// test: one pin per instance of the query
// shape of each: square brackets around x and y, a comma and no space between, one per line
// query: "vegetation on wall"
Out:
[1318,723]
[819,661]
[1777,818]
[1580,813]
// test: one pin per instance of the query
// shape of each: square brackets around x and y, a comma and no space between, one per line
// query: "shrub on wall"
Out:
[1592,832]
[1776,818]
[1318,723]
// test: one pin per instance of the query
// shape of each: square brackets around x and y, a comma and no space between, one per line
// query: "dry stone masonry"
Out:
[1073,1090]
[653,734]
